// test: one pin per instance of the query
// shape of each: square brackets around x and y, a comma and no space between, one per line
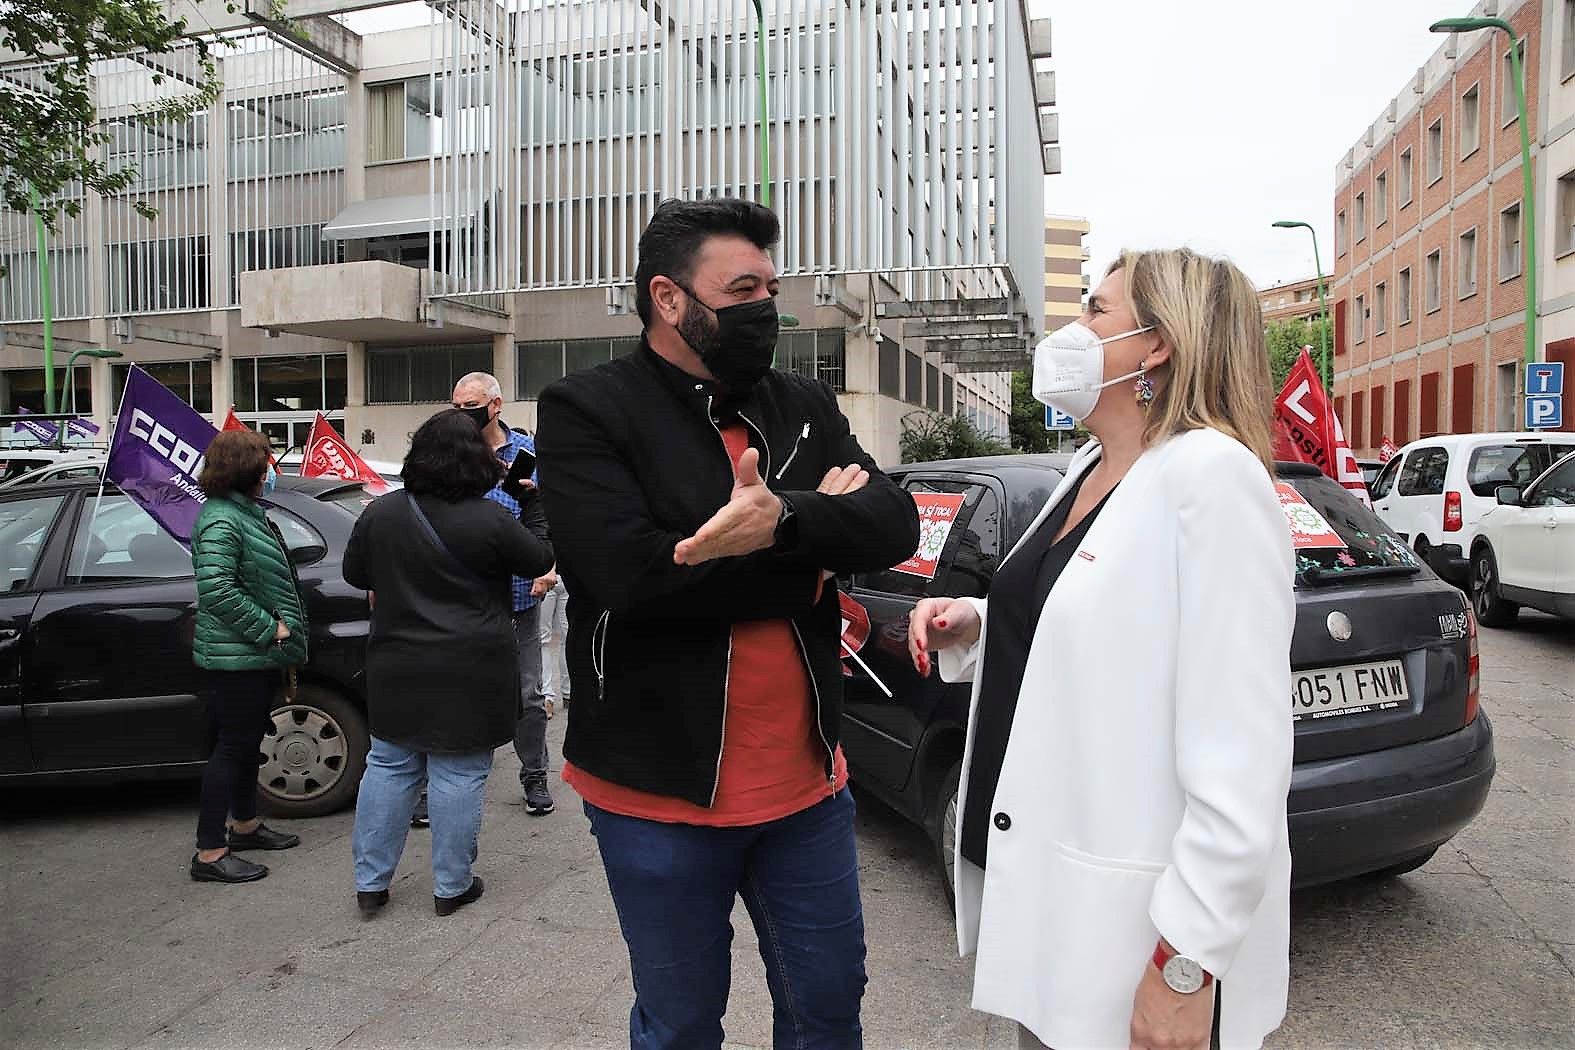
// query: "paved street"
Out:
[106,943]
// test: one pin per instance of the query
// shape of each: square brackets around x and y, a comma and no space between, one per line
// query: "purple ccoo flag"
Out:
[82,428]
[157,453]
[42,429]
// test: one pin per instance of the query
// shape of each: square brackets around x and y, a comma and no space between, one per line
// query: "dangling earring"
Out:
[1145,390]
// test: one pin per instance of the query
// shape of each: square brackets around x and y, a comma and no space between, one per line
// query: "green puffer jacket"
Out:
[245,586]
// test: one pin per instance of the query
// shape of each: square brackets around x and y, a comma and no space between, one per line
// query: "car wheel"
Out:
[1423,549]
[1405,867]
[944,820]
[313,754]
[1491,609]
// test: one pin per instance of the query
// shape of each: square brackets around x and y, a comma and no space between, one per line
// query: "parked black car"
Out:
[97,605]
[1384,775]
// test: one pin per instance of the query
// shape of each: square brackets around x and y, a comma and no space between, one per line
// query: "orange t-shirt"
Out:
[773,759]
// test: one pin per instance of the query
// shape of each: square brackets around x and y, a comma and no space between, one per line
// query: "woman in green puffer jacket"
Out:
[251,626]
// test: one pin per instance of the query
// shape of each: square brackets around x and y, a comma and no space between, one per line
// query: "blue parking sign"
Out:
[1544,412]
[1058,420]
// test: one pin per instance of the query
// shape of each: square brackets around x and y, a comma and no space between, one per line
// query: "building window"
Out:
[1359,320]
[1341,234]
[1380,309]
[1358,418]
[287,134]
[1435,151]
[1569,38]
[1360,214]
[1407,174]
[1434,288]
[544,362]
[1466,263]
[890,369]
[1509,107]
[279,248]
[1509,243]
[1565,238]
[414,375]
[191,381]
[1470,121]
[1403,291]
[818,354]
[1381,200]
[154,276]
[1508,399]
[409,118]
[297,383]
[913,379]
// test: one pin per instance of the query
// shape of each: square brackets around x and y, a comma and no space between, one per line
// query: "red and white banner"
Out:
[1307,430]
[1388,450]
[327,455]
[937,513]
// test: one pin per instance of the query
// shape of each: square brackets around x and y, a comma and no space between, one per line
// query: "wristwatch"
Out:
[1184,976]
[786,534]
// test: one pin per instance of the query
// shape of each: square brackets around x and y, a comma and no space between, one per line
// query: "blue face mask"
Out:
[271,481]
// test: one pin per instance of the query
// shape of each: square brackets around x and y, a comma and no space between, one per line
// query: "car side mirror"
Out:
[1510,495]
[308,554]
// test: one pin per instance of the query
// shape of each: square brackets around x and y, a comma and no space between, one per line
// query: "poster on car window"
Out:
[1309,529]
[937,514]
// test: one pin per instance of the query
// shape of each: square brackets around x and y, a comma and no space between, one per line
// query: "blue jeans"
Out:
[389,789]
[674,886]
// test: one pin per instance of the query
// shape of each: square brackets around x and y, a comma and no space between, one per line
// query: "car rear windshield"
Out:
[1365,543]
[1511,464]
[351,500]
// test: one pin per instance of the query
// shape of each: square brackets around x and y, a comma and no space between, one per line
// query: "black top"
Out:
[441,664]
[630,465]
[1017,596]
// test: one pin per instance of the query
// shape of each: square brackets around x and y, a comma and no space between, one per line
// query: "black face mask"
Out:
[481,415]
[738,346]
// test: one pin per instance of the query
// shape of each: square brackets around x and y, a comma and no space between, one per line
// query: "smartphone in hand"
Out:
[520,471]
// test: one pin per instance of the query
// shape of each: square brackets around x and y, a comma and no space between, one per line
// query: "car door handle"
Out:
[8,637]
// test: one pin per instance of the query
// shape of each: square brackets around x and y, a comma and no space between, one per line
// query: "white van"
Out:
[1435,491]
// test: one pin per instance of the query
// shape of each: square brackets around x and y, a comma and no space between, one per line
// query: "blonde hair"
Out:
[1218,372]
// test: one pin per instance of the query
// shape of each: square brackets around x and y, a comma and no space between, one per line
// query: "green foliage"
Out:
[1285,340]
[54,139]
[1028,417]
[930,436]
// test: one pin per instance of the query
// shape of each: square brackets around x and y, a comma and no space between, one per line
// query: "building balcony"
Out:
[364,302]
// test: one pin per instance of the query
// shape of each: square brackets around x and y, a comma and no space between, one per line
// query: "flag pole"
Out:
[866,668]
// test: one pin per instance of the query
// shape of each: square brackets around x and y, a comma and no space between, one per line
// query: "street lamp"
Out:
[1323,302]
[86,351]
[762,79]
[45,296]
[1527,201]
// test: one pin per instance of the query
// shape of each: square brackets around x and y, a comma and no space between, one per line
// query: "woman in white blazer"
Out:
[1122,852]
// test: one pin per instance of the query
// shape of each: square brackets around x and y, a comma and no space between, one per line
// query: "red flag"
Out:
[1388,450]
[231,422]
[327,455]
[1308,431]
[855,625]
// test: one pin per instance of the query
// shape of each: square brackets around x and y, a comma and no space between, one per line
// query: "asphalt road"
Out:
[105,942]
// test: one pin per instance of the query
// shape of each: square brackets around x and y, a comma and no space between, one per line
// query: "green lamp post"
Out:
[87,351]
[45,297]
[1527,179]
[762,77]
[1323,303]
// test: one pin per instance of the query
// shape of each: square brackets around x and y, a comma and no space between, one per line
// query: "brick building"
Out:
[1066,276]
[1429,285]
[1293,299]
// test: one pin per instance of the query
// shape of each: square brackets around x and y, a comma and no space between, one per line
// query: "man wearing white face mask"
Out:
[1129,745]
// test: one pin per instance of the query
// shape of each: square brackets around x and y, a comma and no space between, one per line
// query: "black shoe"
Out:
[263,837]
[228,868]
[370,902]
[538,800]
[450,905]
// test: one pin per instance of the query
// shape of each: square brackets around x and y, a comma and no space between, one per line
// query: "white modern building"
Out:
[372,207]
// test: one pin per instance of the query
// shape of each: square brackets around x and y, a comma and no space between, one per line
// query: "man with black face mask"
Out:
[701,505]
[479,396]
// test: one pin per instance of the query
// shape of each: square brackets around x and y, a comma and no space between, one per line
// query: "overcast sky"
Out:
[1200,123]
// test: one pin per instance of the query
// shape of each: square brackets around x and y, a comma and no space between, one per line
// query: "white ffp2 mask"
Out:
[1069,368]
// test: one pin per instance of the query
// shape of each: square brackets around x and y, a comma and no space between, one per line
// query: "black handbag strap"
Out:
[437,541]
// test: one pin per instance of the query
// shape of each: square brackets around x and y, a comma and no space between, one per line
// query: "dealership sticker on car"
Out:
[1353,688]
[1309,529]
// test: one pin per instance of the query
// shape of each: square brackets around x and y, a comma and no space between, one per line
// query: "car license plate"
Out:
[1346,690]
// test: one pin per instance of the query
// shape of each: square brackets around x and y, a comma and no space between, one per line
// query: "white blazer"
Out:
[1146,776]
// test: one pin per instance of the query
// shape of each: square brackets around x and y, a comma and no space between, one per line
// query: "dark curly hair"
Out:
[235,462]
[670,245]
[449,459]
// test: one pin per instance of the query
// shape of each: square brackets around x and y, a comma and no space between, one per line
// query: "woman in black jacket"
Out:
[441,664]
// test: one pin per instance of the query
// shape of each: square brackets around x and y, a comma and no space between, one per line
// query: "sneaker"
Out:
[228,868]
[449,905]
[263,837]
[538,800]
[419,818]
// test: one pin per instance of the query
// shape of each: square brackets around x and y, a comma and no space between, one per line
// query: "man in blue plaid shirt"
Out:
[480,395]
